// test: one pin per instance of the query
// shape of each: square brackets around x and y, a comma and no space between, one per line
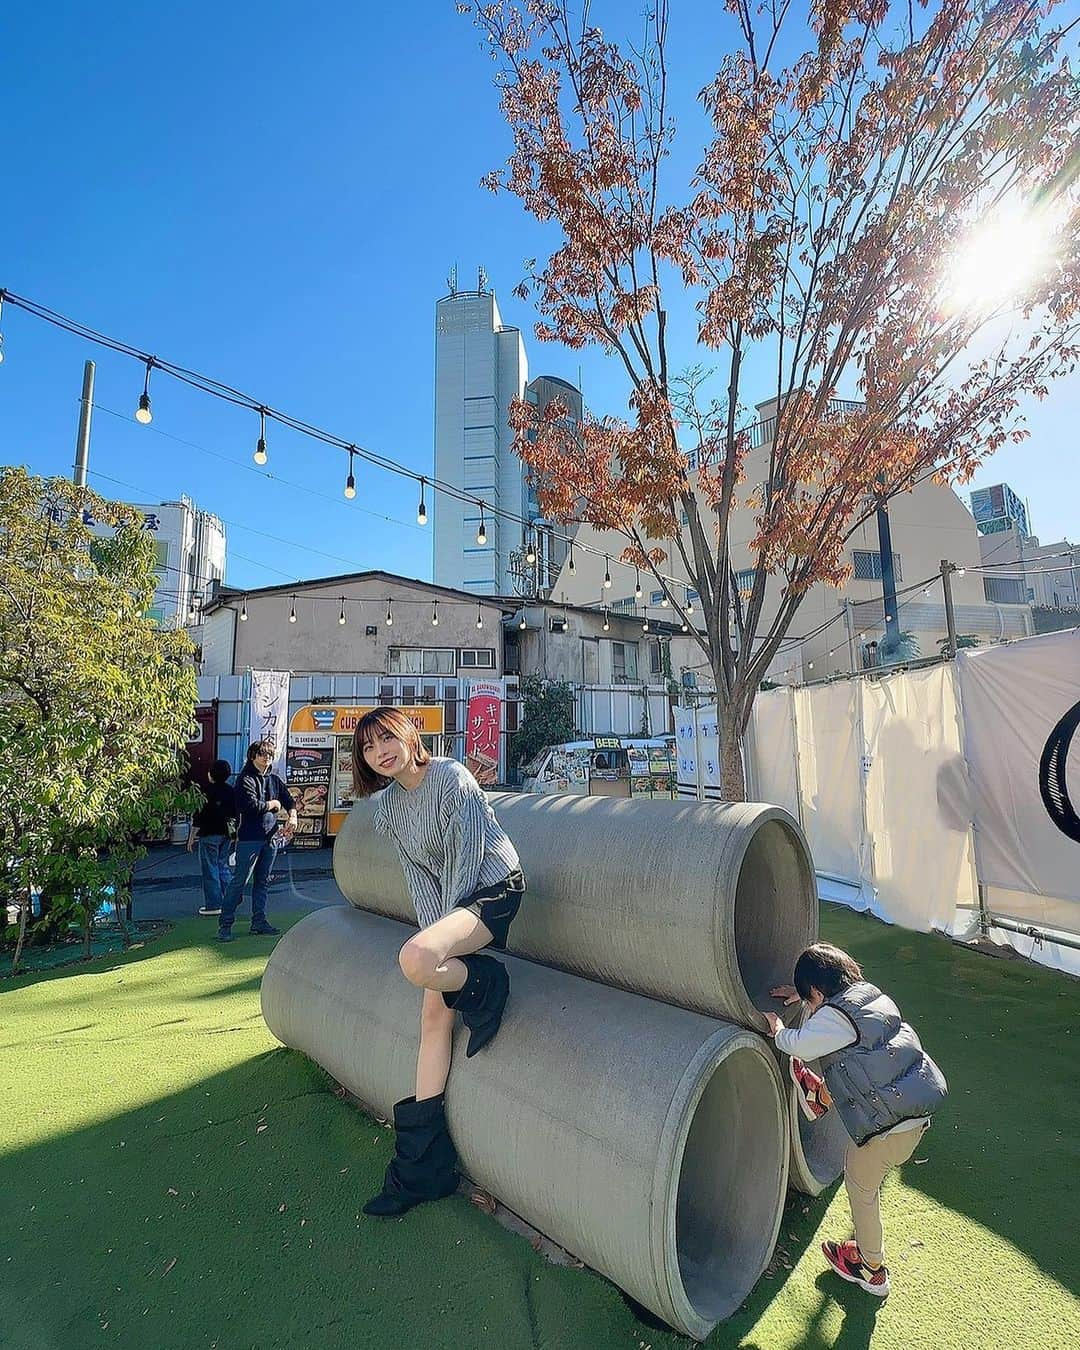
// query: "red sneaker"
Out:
[808,1089]
[845,1259]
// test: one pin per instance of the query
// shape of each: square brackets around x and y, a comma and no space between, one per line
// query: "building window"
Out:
[656,659]
[656,598]
[624,662]
[744,580]
[477,658]
[868,565]
[450,709]
[420,661]
[1005,590]
[623,606]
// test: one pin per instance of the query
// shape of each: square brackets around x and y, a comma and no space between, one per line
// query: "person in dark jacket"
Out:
[878,1079]
[263,800]
[212,828]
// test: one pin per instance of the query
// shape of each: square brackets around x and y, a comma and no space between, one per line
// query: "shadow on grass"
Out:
[1003,1032]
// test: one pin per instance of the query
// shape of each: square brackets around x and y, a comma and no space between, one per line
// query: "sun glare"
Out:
[1000,259]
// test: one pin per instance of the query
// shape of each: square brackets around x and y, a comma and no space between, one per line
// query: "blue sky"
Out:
[273,195]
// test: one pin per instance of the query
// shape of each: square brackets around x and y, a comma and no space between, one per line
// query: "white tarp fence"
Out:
[915,787]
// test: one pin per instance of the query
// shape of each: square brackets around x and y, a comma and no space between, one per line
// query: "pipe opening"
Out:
[774,903]
[729,1195]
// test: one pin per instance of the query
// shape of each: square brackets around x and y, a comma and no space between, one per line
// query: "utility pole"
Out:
[850,625]
[891,638]
[947,569]
[82,444]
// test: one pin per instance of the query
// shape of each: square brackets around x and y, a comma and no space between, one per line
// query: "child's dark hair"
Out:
[827,968]
[219,771]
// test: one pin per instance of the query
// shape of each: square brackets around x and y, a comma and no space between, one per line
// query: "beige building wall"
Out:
[928,523]
[317,643]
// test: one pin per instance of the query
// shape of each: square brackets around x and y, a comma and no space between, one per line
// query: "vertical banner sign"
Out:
[483,731]
[269,719]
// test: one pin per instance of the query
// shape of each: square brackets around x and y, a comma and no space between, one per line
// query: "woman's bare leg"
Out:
[427,960]
[436,1043]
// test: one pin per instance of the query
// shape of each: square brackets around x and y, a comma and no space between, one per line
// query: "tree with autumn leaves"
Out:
[862,163]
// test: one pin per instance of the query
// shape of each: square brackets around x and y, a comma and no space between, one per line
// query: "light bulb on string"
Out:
[685,629]
[645,626]
[142,412]
[350,482]
[479,616]
[421,510]
[522,625]
[960,571]
[530,548]
[243,610]
[637,584]
[292,610]
[607,623]
[689,604]
[607,573]
[481,532]
[389,613]
[341,616]
[435,614]
[664,601]
[572,568]
[260,456]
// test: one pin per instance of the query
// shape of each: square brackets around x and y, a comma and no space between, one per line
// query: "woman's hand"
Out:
[787,992]
[774,1023]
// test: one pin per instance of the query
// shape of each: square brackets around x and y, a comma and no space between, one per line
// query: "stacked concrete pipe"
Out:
[705,906]
[643,1134]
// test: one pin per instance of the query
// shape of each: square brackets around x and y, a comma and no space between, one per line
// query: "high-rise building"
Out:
[480,368]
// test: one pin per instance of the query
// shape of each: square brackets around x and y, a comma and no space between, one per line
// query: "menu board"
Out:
[307,773]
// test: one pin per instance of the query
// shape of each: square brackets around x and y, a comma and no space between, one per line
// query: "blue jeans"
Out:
[253,856]
[214,852]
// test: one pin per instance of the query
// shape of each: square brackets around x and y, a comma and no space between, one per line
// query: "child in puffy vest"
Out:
[878,1079]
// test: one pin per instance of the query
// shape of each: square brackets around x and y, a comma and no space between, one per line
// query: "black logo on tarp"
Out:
[1052,786]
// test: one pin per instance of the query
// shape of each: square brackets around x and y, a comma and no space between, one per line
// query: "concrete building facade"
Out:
[1020,569]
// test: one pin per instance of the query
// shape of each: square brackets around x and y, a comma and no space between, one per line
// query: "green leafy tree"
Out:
[96,702]
[547,710]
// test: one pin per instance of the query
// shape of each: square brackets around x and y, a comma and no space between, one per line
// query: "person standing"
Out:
[466,884]
[262,798]
[212,828]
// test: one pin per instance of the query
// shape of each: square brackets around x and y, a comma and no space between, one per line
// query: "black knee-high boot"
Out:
[424,1163]
[481,999]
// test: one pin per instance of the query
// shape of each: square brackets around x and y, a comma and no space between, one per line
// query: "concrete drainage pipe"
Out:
[648,1140]
[703,905]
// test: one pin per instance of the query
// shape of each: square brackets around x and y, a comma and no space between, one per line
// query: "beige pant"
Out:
[864,1171]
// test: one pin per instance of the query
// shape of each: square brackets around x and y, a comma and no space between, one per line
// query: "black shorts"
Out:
[495,906]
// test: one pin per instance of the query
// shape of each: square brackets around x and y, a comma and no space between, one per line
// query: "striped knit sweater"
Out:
[447,838]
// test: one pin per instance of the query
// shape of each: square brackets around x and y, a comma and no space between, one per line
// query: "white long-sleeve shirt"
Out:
[823,1033]
[447,837]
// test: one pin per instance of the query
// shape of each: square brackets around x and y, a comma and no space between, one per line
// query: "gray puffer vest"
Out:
[885,1077]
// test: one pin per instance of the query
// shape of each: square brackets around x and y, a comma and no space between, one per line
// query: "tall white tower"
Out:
[480,366]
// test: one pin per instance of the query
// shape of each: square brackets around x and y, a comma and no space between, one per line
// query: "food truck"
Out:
[606,766]
[319,763]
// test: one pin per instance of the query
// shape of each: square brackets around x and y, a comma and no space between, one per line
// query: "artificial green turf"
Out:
[170,1177]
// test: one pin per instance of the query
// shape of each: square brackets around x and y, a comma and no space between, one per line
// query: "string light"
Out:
[350,482]
[572,569]
[523,625]
[142,412]
[685,628]
[435,614]
[530,548]
[479,616]
[421,510]
[607,623]
[664,601]
[243,610]
[607,572]
[341,616]
[689,604]
[260,456]
[481,533]
[389,613]
[645,625]
[292,610]
[960,571]
[637,584]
